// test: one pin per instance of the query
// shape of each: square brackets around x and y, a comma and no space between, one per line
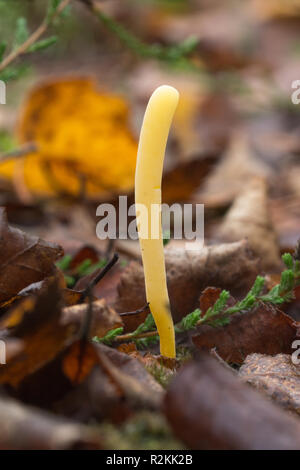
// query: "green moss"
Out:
[148,431]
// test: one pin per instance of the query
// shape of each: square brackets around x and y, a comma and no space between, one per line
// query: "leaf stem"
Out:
[35,36]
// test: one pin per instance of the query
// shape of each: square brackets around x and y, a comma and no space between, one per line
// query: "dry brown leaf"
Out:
[25,428]
[130,366]
[208,407]
[276,376]
[285,214]
[229,266]
[114,388]
[79,361]
[24,259]
[103,319]
[181,182]
[264,330]
[249,218]
[46,331]
[237,166]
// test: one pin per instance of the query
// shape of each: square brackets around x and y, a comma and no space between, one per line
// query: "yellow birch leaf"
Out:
[82,135]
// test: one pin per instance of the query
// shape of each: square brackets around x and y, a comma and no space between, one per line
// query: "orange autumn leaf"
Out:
[79,361]
[83,138]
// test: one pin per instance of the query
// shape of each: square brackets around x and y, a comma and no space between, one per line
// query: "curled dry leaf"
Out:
[285,213]
[181,182]
[79,361]
[249,218]
[104,318]
[229,266]
[107,288]
[132,367]
[209,408]
[266,330]
[114,388]
[24,259]
[25,428]
[276,376]
[228,179]
[46,331]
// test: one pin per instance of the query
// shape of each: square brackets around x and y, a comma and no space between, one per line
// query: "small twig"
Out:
[129,336]
[21,50]
[20,152]
[109,249]
[84,335]
[86,325]
[135,312]
[98,277]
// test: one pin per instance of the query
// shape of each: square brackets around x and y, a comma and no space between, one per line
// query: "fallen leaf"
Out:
[117,385]
[24,259]
[266,330]
[238,165]
[249,218]
[79,361]
[79,131]
[25,428]
[276,376]
[208,407]
[285,213]
[46,331]
[181,182]
[229,266]
[84,253]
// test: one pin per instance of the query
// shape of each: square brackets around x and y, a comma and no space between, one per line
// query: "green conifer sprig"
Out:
[219,314]
[25,43]
[156,51]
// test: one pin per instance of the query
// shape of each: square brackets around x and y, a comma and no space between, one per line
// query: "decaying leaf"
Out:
[79,131]
[208,407]
[46,331]
[249,218]
[181,182]
[24,259]
[117,385]
[266,330]
[79,361]
[228,179]
[103,318]
[24,428]
[229,266]
[276,376]
[132,367]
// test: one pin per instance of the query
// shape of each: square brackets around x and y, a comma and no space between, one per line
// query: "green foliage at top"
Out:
[51,10]
[22,33]
[14,71]
[169,54]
